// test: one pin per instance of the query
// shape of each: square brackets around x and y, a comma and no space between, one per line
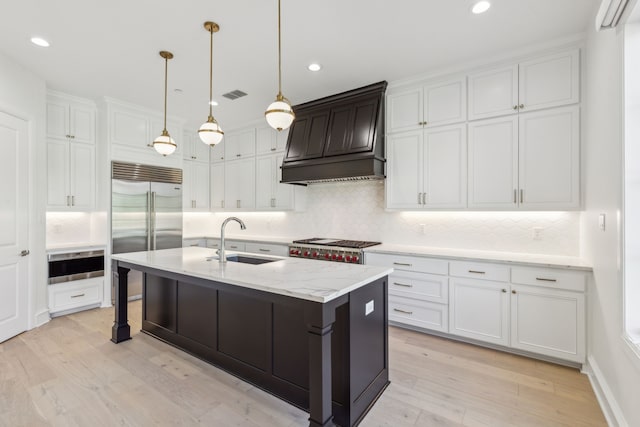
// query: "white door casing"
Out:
[14,226]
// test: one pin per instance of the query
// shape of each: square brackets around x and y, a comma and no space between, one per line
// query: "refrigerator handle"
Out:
[148,220]
[153,219]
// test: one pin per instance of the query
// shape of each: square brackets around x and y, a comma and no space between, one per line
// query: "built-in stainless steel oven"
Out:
[70,266]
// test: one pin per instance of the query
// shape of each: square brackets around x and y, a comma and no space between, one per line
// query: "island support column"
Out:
[319,319]
[121,331]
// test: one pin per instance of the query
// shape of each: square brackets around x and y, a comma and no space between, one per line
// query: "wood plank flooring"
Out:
[68,373]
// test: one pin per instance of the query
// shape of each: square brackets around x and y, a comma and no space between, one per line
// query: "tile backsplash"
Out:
[82,228]
[355,210]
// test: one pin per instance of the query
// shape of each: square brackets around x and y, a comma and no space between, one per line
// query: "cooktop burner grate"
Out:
[356,244]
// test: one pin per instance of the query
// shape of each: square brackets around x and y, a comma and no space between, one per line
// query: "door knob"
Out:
[24,252]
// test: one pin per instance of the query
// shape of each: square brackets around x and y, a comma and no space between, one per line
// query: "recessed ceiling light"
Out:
[214,103]
[314,67]
[39,41]
[480,7]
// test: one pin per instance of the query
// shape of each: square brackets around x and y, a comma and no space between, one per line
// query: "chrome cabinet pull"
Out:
[419,198]
[68,200]
[77,296]
[477,272]
[238,155]
[515,107]
[222,204]
[273,149]
[424,198]
[521,106]
[542,279]
[521,196]
[402,264]
[24,252]
[237,203]
[513,291]
[515,196]
[504,291]
[403,311]
[264,250]
[403,285]
[73,200]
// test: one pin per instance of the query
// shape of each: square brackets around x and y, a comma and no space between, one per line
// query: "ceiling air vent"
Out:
[234,94]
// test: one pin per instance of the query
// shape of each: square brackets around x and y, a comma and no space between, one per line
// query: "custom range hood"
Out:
[337,138]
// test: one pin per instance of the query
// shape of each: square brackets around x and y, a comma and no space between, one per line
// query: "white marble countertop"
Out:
[248,238]
[492,256]
[74,247]
[311,280]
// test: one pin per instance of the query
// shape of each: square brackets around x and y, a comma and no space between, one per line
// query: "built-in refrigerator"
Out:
[146,212]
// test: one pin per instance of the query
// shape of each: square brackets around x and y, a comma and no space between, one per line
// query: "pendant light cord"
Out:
[279,55]
[166,68]
[211,74]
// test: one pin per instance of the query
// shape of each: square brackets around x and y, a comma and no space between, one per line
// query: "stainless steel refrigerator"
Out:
[146,212]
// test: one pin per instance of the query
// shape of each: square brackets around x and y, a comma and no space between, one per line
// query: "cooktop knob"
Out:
[355,258]
[327,255]
[334,256]
[315,255]
[340,257]
[306,253]
[348,258]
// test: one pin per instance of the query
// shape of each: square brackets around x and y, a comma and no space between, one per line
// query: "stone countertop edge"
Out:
[294,277]
[533,260]
[75,247]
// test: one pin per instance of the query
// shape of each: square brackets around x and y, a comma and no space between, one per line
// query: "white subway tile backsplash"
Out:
[355,210]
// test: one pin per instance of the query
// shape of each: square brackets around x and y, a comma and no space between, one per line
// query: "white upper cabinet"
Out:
[429,105]
[530,161]
[194,148]
[544,82]
[216,186]
[217,152]
[195,186]
[239,144]
[427,169]
[70,118]
[270,193]
[269,140]
[239,184]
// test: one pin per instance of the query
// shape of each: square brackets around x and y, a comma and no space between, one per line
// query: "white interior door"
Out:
[14,226]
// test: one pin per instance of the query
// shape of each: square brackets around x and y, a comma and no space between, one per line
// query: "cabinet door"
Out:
[446,102]
[239,181]
[493,163]
[58,195]
[266,140]
[550,81]
[550,159]
[281,140]
[217,151]
[217,186]
[445,167]
[57,119]
[265,177]
[548,321]
[404,110]
[200,150]
[479,309]
[131,129]
[308,134]
[82,124]
[200,188]
[82,176]
[493,92]
[351,128]
[240,144]
[188,146]
[283,194]
[404,170]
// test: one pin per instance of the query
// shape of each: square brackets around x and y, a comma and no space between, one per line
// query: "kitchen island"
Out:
[311,333]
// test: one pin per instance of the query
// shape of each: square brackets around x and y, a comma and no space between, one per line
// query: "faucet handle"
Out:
[217,251]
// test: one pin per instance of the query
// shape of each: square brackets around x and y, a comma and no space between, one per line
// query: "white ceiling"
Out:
[110,48]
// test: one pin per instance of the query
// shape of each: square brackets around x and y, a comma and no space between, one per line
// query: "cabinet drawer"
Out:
[428,287]
[423,314]
[194,242]
[408,263]
[234,245]
[213,243]
[479,270]
[267,249]
[549,278]
[66,296]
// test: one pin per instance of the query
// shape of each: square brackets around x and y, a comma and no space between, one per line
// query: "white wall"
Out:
[76,228]
[23,94]
[617,373]
[355,210]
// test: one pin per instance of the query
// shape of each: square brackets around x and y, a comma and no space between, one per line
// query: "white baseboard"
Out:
[607,401]
[42,318]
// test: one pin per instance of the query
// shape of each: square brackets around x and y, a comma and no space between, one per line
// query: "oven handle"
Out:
[75,255]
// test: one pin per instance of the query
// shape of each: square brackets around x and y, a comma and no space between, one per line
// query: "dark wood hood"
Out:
[337,138]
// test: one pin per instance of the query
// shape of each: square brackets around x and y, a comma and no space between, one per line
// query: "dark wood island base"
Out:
[330,359]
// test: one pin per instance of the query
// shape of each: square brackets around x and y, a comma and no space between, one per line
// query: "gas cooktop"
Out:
[356,244]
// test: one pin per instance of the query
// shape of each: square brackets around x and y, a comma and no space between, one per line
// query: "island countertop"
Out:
[295,277]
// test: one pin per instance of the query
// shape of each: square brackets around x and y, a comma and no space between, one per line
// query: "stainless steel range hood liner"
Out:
[337,138]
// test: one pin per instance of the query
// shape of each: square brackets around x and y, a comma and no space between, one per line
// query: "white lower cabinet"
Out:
[423,314]
[267,249]
[479,309]
[194,242]
[65,298]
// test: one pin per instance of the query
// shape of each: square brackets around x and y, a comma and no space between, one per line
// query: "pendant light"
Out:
[164,144]
[279,113]
[210,132]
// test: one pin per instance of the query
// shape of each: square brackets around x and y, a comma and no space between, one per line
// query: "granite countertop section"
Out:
[74,247]
[249,238]
[295,277]
[537,260]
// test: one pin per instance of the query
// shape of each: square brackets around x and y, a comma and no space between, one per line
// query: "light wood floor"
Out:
[68,373]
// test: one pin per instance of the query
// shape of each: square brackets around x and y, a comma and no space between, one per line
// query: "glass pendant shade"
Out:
[210,132]
[164,144]
[279,114]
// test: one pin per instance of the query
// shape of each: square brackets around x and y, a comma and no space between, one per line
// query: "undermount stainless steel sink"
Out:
[245,259]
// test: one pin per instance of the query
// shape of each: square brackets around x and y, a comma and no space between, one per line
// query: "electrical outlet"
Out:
[368,308]
[423,228]
[57,229]
[538,233]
